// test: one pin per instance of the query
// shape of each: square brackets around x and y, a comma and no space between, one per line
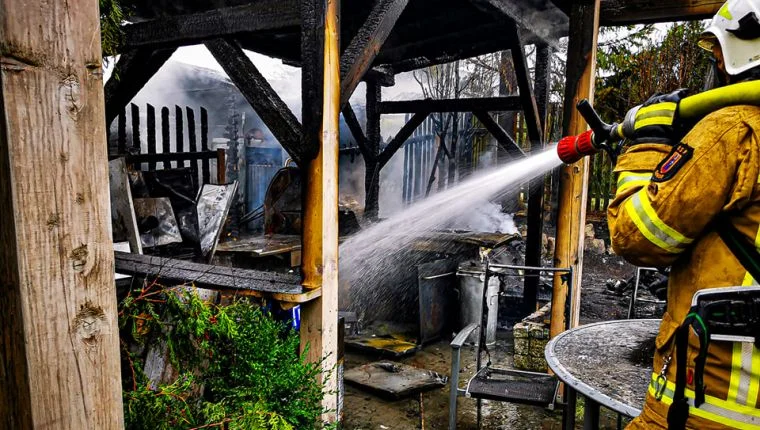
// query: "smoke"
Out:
[485,217]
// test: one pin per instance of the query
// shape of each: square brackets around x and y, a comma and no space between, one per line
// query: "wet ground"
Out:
[430,411]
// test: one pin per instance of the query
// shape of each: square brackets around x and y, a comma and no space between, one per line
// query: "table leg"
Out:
[568,416]
[590,414]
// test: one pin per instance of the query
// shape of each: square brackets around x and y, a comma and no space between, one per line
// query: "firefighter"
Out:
[671,189]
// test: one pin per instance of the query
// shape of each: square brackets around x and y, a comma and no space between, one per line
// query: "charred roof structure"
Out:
[57,277]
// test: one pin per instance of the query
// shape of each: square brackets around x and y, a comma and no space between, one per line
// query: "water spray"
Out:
[689,110]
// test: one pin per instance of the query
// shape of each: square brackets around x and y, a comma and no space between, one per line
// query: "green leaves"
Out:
[238,367]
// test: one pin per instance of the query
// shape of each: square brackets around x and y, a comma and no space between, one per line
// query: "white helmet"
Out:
[736,28]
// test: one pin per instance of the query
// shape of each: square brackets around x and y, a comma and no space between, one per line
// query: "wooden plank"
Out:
[205,164]
[151,112]
[486,104]
[179,133]
[166,143]
[259,93]
[173,31]
[401,137]
[133,70]
[135,117]
[619,12]
[320,87]
[122,207]
[191,137]
[501,136]
[60,346]
[122,133]
[573,187]
[361,52]
[221,172]
[205,275]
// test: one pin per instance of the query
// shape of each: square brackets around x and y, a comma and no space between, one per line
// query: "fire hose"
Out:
[608,137]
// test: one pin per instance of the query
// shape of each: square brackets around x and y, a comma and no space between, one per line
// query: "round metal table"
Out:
[609,363]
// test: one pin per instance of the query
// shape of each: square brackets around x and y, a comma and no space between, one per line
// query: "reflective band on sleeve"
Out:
[628,180]
[652,227]
[714,409]
[656,114]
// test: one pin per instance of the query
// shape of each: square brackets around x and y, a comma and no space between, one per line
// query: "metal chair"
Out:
[635,292]
[500,384]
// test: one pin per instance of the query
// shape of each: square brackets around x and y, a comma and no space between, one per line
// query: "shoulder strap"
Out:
[747,254]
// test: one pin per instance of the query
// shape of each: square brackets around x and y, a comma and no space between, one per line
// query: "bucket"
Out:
[471,282]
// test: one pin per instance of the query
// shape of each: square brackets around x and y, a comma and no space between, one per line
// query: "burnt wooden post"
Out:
[59,356]
[534,244]
[320,86]
[122,133]
[204,146]
[151,124]
[581,68]
[372,164]
[165,138]
[135,114]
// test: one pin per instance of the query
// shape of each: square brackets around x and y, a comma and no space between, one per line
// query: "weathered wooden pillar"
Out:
[372,165]
[59,356]
[581,69]
[534,244]
[321,109]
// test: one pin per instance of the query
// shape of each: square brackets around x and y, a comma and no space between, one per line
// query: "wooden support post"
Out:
[264,100]
[59,354]
[581,68]
[320,52]
[361,52]
[372,165]
[133,70]
[534,243]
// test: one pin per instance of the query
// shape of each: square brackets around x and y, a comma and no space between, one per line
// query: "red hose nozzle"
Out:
[572,148]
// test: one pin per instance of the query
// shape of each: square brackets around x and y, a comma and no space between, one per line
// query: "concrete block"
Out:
[538,331]
[520,330]
[522,346]
[522,362]
[536,348]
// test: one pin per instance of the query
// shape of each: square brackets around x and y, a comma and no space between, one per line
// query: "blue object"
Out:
[262,163]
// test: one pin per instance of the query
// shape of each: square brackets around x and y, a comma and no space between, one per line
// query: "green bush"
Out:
[238,368]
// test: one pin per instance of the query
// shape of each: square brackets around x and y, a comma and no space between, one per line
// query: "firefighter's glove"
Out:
[656,121]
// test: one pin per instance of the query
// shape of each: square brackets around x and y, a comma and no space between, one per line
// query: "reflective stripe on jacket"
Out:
[666,222]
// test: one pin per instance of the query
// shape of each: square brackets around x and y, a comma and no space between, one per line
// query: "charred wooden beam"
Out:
[264,100]
[488,104]
[172,271]
[530,110]
[133,70]
[624,12]
[356,130]
[372,164]
[544,24]
[535,218]
[501,136]
[361,52]
[401,137]
[410,54]
[262,15]
[312,73]
[383,75]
